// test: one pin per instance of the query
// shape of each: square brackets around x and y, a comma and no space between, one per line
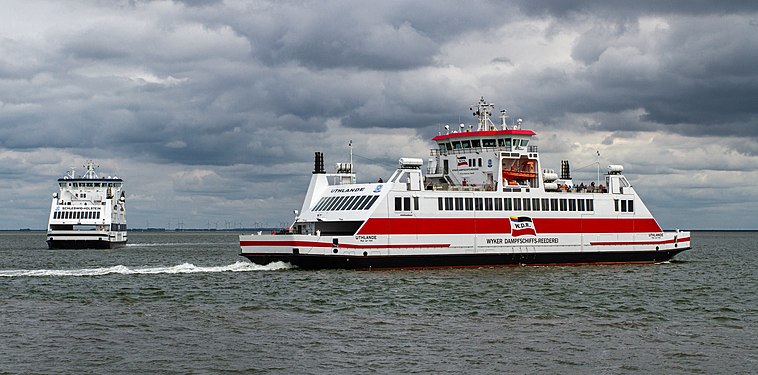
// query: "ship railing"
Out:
[487,187]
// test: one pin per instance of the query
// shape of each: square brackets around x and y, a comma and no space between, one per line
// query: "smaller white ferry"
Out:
[88,212]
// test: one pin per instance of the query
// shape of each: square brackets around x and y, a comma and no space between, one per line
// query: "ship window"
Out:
[333,202]
[471,163]
[623,205]
[488,143]
[480,162]
[347,203]
[476,143]
[320,203]
[448,204]
[325,203]
[516,143]
[415,203]
[516,204]
[507,204]
[440,204]
[98,215]
[357,202]
[443,147]
[406,203]
[630,206]
[498,204]
[478,204]
[329,203]
[527,204]
[580,204]
[466,144]
[469,204]
[62,184]
[572,204]
[354,201]
[369,202]
[488,204]
[545,204]
[456,145]
[554,204]
[536,204]
[563,204]
[340,202]
[524,142]
[615,204]
[507,143]
[459,204]
[590,205]
[398,203]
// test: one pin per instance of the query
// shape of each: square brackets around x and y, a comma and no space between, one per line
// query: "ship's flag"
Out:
[462,160]
[522,226]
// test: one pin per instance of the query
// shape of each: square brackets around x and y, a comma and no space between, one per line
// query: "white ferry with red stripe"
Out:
[88,212]
[485,200]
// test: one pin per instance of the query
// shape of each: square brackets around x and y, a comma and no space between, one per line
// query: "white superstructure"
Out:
[87,212]
[485,200]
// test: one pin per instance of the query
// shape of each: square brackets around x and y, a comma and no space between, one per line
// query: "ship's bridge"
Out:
[486,157]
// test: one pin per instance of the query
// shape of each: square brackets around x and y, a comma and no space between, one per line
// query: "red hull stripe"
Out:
[344,245]
[383,226]
[639,242]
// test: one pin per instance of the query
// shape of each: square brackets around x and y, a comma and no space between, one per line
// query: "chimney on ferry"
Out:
[565,170]
[318,167]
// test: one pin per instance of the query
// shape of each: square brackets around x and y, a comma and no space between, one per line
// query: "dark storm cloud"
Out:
[342,34]
[696,77]
[632,9]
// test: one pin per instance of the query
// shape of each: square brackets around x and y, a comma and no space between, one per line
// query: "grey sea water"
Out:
[187,303]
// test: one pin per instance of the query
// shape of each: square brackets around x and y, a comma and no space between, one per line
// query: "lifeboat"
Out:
[525,173]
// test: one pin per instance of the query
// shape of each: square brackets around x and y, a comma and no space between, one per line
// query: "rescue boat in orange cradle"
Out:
[484,201]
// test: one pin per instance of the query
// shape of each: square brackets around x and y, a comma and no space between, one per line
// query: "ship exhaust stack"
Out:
[318,167]
[565,170]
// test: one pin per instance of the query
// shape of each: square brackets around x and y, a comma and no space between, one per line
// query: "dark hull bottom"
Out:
[84,244]
[465,260]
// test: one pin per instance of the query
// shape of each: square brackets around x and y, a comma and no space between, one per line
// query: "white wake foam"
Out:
[124,270]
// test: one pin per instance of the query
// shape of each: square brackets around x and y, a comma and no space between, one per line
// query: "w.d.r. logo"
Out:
[521,226]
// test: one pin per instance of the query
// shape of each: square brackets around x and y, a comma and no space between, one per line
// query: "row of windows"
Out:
[76,215]
[626,205]
[89,184]
[476,143]
[404,203]
[347,202]
[514,204]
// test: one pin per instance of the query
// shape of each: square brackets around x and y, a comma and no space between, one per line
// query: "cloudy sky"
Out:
[211,110]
